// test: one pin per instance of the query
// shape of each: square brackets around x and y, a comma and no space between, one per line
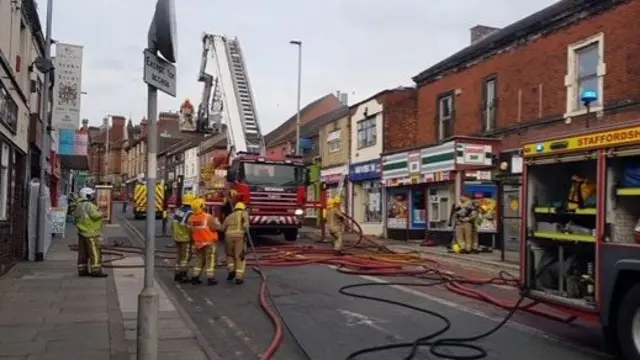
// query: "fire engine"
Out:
[274,188]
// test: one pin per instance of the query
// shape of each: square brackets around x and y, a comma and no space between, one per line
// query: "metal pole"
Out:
[299,45]
[44,145]
[148,300]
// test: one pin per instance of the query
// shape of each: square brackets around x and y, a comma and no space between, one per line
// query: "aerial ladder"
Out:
[227,98]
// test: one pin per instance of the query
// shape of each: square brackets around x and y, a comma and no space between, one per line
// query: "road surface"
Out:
[329,325]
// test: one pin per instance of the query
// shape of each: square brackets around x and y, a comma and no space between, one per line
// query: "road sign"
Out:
[159,73]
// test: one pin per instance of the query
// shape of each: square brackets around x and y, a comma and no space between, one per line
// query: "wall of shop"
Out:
[370,110]
[367,196]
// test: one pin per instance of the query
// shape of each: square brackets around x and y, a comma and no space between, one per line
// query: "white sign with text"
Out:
[159,73]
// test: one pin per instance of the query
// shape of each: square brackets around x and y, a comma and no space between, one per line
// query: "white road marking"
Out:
[239,333]
[354,319]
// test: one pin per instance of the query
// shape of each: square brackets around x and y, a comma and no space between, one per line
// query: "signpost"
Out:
[159,74]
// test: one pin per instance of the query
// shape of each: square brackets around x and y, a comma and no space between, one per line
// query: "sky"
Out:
[358,47]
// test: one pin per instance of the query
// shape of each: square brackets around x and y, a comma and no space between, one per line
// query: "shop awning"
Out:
[74,162]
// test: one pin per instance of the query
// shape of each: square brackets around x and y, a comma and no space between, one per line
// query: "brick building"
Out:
[511,86]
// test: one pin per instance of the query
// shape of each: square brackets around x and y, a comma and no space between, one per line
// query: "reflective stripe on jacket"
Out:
[235,223]
[179,227]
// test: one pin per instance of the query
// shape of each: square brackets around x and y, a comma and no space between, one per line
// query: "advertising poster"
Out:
[103,201]
[58,220]
[485,197]
[67,88]
[397,209]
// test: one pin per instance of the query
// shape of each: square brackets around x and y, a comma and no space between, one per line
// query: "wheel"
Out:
[628,324]
[291,234]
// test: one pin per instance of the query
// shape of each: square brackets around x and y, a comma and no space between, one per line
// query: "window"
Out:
[8,109]
[366,132]
[333,141]
[4,181]
[489,103]
[272,174]
[372,201]
[445,116]
[585,72]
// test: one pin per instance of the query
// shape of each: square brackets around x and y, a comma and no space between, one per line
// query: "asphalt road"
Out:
[330,325]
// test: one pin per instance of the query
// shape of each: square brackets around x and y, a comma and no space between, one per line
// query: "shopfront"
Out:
[333,179]
[422,186]
[366,195]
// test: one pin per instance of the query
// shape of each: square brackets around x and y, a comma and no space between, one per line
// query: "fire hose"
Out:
[370,257]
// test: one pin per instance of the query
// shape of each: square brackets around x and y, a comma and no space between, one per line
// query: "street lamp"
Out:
[298,43]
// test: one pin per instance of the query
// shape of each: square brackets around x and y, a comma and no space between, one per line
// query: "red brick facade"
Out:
[531,93]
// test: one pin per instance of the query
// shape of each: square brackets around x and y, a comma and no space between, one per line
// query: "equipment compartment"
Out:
[623,193]
[561,229]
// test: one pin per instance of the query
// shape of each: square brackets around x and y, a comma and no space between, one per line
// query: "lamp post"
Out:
[298,43]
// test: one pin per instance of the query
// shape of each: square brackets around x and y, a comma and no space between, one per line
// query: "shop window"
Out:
[4,181]
[397,208]
[440,202]
[445,116]
[366,132]
[418,212]
[372,202]
[585,71]
[333,141]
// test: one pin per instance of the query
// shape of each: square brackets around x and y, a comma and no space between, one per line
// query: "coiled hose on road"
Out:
[368,257]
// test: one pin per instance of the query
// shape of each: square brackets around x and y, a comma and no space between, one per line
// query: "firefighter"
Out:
[89,221]
[235,228]
[203,228]
[465,218]
[181,237]
[335,223]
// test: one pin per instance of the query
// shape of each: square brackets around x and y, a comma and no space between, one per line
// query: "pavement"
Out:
[329,325]
[48,313]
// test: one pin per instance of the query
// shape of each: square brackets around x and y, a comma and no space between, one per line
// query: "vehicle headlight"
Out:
[299,212]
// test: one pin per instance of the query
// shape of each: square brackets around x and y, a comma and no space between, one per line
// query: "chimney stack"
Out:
[479,32]
[343,98]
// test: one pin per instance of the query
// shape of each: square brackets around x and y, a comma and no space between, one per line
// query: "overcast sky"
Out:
[356,46]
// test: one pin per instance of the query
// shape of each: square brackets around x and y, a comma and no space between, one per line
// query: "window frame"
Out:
[489,107]
[441,134]
[368,123]
[5,189]
[333,142]
[571,80]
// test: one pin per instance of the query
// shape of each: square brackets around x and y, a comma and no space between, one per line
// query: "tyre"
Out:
[290,234]
[628,324]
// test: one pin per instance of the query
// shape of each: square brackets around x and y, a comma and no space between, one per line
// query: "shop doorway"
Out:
[510,217]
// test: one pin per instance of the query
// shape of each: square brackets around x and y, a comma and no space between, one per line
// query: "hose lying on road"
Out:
[366,257]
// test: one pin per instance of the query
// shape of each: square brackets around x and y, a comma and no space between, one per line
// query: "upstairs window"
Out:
[366,132]
[333,141]
[489,103]
[585,72]
[445,116]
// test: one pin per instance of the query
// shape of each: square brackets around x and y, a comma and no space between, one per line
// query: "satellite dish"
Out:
[162,32]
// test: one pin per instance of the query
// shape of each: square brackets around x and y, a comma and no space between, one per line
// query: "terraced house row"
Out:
[408,154]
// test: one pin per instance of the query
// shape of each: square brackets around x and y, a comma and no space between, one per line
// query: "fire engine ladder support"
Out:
[244,94]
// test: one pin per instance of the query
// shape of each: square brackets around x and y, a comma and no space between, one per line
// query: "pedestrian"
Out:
[236,227]
[335,224]
[203,228]
[89,221]
[182,238]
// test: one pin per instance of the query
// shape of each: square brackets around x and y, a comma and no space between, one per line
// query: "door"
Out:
[511,216]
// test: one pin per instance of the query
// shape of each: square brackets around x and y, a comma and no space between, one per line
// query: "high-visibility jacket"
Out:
[88,218]
[236,222]
[179,227]
[201,232]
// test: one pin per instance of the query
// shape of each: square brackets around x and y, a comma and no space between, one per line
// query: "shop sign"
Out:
[333,175]
[368,170]
[474,154]
[611,138]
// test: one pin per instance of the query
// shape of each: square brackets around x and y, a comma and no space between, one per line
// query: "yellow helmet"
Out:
[330,203]
[240,206]
[198,205]
[188,198]
[337,200]
[233,193]
[456,248]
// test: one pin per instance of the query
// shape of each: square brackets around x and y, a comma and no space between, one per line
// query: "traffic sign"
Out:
[159,73]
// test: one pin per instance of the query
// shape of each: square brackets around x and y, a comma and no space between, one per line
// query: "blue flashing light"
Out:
[539,148]
[589,96]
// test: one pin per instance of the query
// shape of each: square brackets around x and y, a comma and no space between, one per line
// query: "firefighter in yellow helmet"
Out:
[465,217]
[335,224]
[235,229]
[203,228]
[181,237]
